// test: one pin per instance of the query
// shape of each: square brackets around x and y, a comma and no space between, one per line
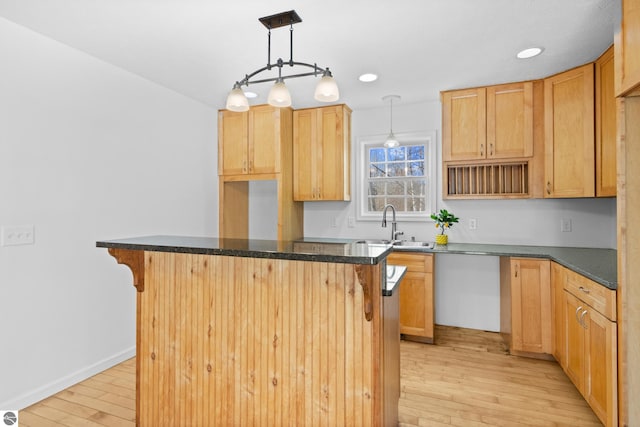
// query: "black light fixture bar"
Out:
[326,89]
[276,21]
[280,19]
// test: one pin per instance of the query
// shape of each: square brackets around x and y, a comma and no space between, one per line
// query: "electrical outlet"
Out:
[351,222]
[17,235]
[473,223]
[565,225]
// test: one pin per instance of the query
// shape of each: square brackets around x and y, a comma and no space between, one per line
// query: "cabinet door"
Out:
[627,45]
[510,120]
[416,295]
[464,124]
[606,109]
[569,133]
[530,305]
[601,366]
[305,161]
[264,139]
[557,307]
[321,153]
[232,142]
[333,154]
[575,368]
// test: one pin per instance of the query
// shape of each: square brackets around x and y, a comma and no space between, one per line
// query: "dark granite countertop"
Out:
[320,250]
[599,265]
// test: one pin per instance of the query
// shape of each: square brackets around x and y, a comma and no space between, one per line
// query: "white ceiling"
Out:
[418,47]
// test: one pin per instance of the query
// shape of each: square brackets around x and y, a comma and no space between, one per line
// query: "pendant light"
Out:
[391,140]
[326,90]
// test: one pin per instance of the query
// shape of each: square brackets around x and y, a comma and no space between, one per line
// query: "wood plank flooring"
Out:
[466,379]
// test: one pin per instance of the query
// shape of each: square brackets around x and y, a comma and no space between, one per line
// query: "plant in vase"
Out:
[444,220]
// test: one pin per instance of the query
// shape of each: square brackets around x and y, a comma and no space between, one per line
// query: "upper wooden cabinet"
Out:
[495,122]
[569,133]
[464,124]
[416,295]
[250,143]
[627,45]
[322,153]
[510,120]
[606,126]
[525,304]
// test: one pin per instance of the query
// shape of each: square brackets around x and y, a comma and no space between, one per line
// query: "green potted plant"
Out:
[444,220]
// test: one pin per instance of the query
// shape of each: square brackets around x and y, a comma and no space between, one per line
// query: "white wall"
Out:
[523,222]
[87,152]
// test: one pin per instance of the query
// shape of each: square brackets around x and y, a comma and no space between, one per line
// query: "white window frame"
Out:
[428,138]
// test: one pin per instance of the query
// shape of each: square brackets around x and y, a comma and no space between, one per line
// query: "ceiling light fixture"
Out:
[279,96]
[368,77]
[391,141]
[529,53]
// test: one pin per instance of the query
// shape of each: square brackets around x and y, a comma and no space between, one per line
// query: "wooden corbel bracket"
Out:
[365,277]
[135,261]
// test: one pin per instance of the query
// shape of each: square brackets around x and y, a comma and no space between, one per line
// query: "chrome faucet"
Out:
[394,225]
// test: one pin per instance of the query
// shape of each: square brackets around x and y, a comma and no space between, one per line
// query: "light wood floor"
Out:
[466,379]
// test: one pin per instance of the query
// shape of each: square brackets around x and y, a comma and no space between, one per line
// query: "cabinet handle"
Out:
[491,149]
[481,150]
[251,165]
[516,272]
[577,311]
[548,187]
[584,325]
[244,166]
[585,290]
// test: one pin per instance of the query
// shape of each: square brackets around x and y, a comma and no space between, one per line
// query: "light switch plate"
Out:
[12,235]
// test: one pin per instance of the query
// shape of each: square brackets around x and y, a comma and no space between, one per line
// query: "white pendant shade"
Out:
[237,101]
[391,141]
[279,95]
[327,90]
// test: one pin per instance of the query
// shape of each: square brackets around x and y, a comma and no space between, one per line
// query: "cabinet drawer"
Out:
[415,262]
[597,296]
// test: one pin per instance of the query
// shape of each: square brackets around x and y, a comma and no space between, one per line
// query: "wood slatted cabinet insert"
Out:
[416,295]
[589,319]
[525,305]
[569,133]
[322,153]
[627,45]
[606,126]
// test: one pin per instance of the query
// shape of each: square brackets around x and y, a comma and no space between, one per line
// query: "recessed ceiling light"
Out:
[529,53]
[368,77]
[249,94]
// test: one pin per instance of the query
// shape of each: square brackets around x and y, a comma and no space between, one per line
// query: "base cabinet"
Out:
[525,311]
[416,295]
[588,354]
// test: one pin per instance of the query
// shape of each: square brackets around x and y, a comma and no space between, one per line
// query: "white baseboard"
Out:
[40,393]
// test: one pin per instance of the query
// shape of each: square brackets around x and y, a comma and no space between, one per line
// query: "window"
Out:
[403,176]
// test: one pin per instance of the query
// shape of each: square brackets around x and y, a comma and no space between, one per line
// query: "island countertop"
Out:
[319,250]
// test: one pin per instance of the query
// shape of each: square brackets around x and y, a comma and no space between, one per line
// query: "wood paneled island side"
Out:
[247,332]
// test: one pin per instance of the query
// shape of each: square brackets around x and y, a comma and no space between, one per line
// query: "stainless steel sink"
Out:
[412,244]
[398,244]
[374,242]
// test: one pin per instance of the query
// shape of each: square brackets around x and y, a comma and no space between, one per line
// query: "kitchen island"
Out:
[254,332]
